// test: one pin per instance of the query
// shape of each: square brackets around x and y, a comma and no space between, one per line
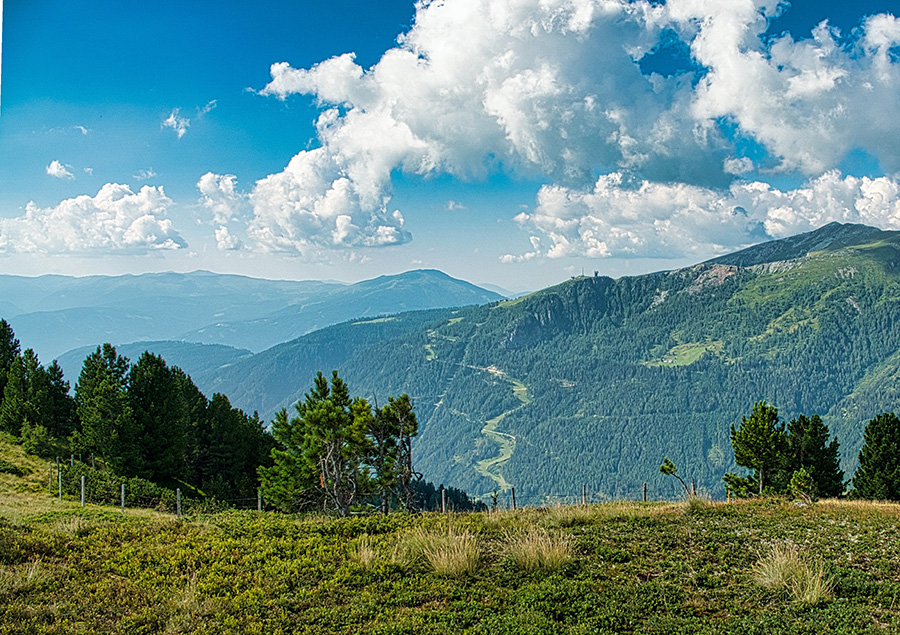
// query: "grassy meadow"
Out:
[689,567]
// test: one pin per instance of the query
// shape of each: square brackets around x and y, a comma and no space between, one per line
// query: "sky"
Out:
[511,142]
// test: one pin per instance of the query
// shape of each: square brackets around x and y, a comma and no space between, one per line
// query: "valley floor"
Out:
[626,568]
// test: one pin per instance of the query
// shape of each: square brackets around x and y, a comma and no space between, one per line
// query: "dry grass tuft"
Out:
[537,550]
[189,610]
[570,515]
[23,577]
[786,570]
[451,554]
[365,552]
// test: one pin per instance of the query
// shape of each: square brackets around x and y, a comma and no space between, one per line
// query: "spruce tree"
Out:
[808,448]
[9,350]
[161,419]
[878,474]
[13,409]
[759,442]
[102,404]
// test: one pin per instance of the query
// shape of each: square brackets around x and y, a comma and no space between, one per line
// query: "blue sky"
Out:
[513,142]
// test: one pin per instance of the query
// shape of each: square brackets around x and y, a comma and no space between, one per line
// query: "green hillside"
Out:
[594,381]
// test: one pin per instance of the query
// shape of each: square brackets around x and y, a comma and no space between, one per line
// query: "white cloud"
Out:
[116,220]
[82,129]
[60,171]
[554,88]
[808,102]
[89,171]
[177,123]
[210,105]
[225,241]
[220,196]
[453,206]
[623,218]
[143,175]
[313,205]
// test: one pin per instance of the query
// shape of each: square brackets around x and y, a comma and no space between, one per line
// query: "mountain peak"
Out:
[830,237]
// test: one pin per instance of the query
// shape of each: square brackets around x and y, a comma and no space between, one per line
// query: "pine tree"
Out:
[324,444]
[878,474]
[759,442]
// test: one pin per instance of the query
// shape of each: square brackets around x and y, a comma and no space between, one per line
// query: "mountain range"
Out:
[54,314]
[594,381]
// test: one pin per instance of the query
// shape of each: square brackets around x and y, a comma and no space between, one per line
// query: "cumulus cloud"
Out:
[219,195]
[177,123]
[554,88]
[808,102]
[59,171]
[622,217]
[316,203]
[453,206]
[116,220]
[225,241]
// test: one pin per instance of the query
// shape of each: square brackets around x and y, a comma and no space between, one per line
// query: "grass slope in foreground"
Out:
[610,568]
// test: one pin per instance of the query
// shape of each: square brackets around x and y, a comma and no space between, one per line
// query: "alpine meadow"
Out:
[439,317]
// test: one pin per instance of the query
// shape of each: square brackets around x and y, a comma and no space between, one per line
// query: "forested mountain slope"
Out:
[595,380]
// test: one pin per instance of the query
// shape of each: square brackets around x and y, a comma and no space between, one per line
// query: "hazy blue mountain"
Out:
[54,314]
[595,381]
[201,361]
[385,295]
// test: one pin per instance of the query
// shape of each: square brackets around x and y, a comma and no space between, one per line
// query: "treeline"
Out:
[800,460]
[143,420]
[146,423]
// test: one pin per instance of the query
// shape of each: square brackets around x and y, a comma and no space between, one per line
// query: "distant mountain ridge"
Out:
[594,381]
[830,237]
[385,295]
[54,314]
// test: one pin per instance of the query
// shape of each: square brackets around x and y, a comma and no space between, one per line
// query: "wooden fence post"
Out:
[82,490]
[443,501]
[59,478]
[71,460]
[50,480]
[178,502]
[123,498]
[693,487]
[258,499]
[645,492]
[584,494]
[514,498]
